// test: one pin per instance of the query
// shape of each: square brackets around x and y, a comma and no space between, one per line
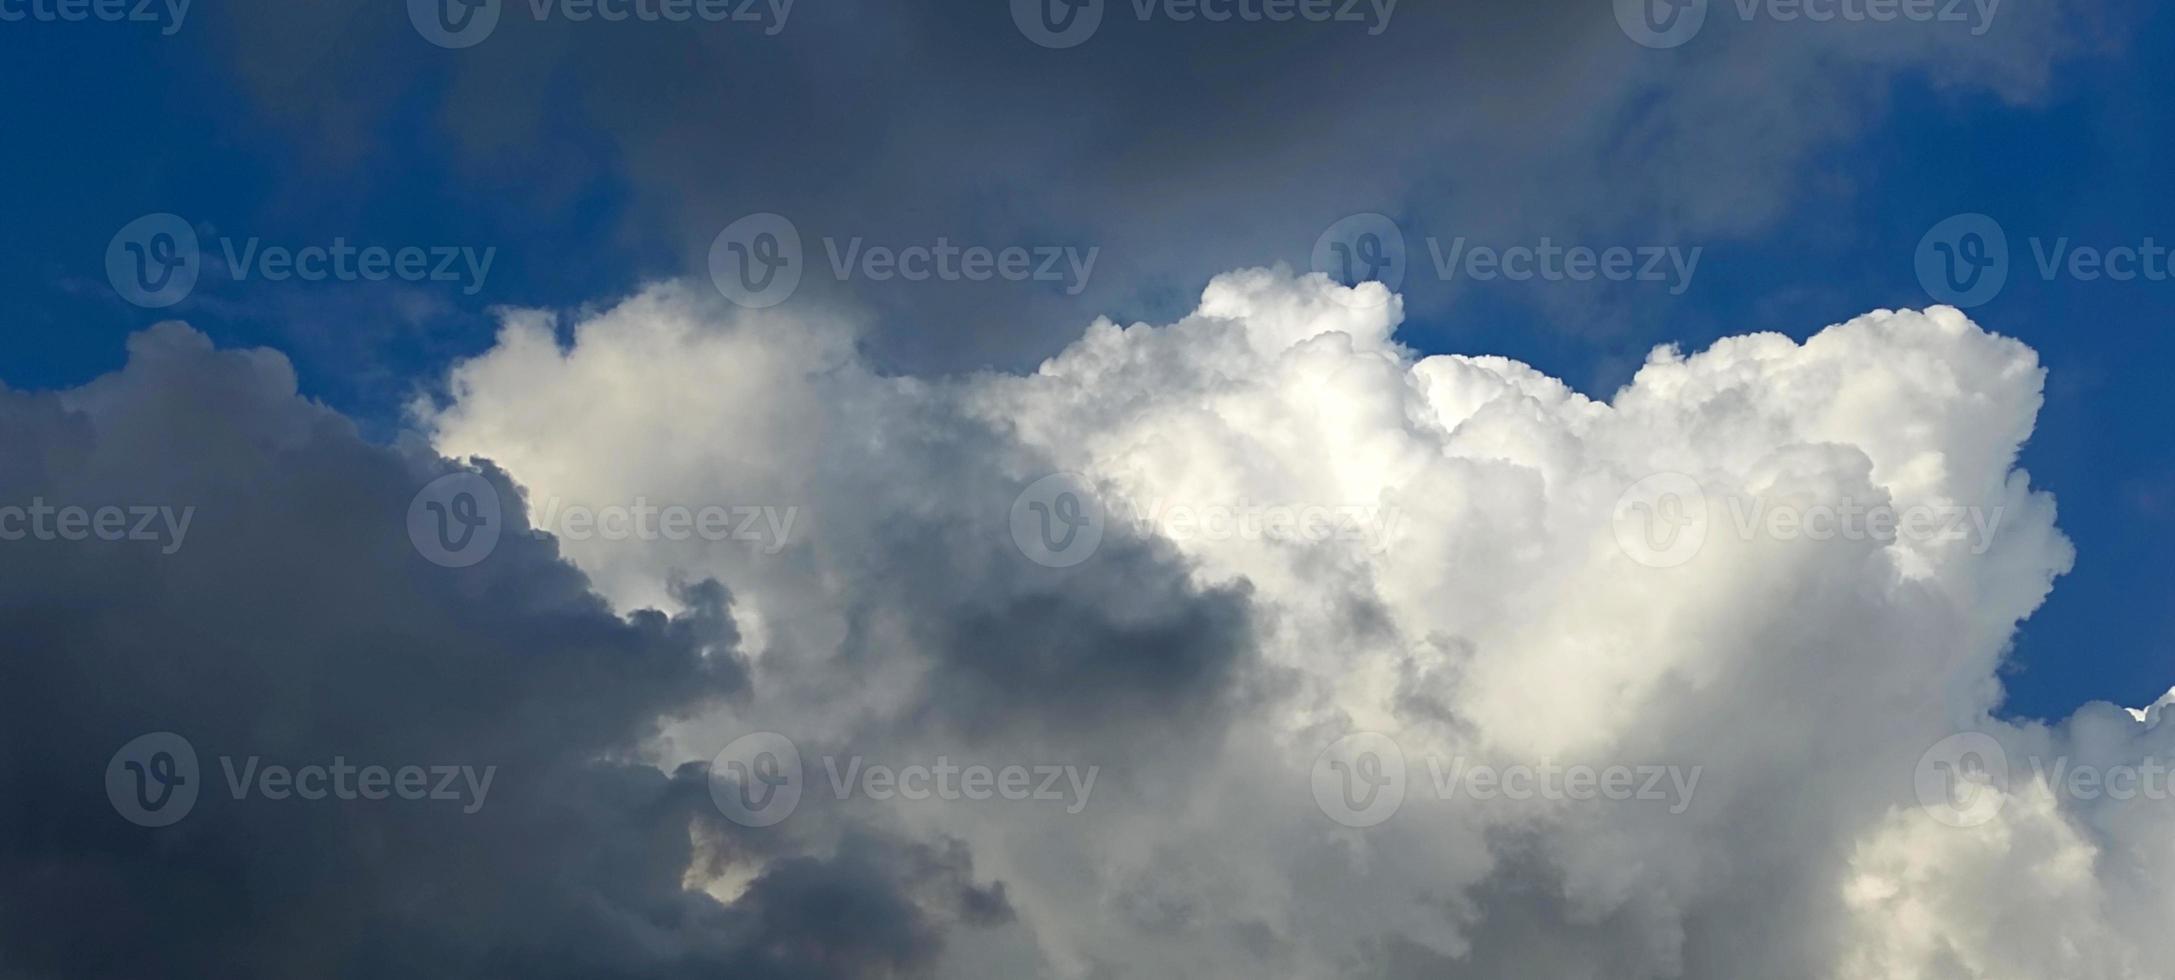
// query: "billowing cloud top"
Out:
[1340,662]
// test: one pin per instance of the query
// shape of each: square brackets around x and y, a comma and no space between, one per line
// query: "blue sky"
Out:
[107,122]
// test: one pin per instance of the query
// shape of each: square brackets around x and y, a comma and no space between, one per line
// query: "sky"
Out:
[585,323]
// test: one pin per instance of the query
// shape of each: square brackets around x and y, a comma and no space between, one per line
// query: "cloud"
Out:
[295,625]
[1156,141]
[1789,674]
[1609,730]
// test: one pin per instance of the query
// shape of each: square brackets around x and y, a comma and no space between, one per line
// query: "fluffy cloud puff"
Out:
[1474,598]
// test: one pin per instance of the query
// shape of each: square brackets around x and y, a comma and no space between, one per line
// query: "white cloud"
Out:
[1500,621]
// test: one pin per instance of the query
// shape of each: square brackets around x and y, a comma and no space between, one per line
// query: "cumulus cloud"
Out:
[1789,673]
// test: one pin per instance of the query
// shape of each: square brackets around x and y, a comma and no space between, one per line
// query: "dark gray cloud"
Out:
[1180,149]
[296,624]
